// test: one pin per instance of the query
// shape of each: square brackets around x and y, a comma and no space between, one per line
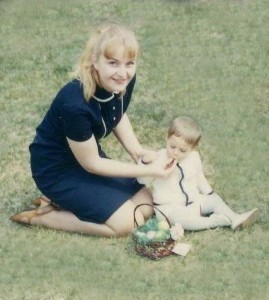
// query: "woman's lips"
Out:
[120,81]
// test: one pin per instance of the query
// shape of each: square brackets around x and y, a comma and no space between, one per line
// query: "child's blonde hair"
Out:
[104,41]
[186,128]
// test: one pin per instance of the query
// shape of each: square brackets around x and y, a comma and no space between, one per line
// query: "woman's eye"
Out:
[112,62]
[130,63]
[183,150]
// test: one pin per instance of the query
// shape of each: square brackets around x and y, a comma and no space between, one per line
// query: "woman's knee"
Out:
[122,220]
[144,197]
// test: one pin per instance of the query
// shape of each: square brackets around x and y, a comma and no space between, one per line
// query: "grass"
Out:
[207,59]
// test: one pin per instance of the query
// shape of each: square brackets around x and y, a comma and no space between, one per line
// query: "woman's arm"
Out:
[126,136]
[87,155]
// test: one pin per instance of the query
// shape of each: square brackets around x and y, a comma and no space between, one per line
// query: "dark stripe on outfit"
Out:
[180,184]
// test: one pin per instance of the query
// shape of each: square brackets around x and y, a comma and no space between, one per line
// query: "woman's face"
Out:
[115,72]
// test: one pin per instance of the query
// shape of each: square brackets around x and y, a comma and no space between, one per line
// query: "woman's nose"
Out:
[122,71]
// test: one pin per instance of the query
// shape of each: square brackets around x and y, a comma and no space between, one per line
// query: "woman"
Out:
[96,195]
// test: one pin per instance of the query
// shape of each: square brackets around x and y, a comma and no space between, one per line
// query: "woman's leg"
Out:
[144,197]
[67,221]
[120,223]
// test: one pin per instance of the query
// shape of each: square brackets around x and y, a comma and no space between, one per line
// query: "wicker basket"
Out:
[153,250]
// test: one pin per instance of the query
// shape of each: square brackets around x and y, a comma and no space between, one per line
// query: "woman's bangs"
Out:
[127,48]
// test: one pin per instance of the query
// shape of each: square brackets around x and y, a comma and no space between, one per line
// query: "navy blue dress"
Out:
[55,170]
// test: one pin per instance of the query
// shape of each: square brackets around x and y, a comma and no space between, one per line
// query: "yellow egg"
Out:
[163,225]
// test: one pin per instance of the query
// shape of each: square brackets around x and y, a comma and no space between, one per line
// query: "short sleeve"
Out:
[76,122]
[73,112]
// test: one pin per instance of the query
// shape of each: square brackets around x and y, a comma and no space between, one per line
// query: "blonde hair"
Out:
[104,41]
[186,128]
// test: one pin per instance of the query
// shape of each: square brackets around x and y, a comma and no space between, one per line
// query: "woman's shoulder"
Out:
[72,88]
[71,95]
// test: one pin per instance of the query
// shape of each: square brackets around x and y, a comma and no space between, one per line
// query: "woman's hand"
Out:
[163,171]
[148,156]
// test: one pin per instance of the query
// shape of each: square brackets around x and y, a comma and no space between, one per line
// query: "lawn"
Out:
[207,59]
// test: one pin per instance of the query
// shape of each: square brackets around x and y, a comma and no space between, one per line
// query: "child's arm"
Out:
[203,185]
[206,189]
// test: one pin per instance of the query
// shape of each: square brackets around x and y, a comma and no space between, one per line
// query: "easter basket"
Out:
[154,246]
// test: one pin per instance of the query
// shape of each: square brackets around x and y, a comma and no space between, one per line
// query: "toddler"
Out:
[185,196]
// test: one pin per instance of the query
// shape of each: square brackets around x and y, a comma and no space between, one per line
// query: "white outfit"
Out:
[185,196]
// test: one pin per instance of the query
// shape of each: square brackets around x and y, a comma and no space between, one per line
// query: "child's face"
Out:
[177,148]
[116,72]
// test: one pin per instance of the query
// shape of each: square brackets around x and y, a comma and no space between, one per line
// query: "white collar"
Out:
[104,100]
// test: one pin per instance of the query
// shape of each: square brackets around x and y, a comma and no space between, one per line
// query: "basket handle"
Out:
[153,206]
